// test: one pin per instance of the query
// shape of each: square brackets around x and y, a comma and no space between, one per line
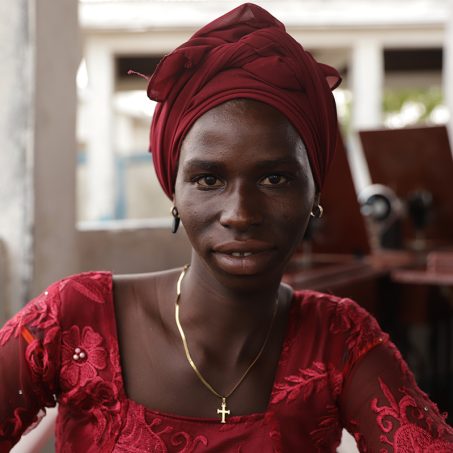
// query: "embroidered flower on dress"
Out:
[402,424]
[82,356]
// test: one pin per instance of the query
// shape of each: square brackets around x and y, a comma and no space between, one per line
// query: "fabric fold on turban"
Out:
[245,53]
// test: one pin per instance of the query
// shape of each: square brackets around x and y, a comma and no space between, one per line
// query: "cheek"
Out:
[194,210]
[196,215]
[295,223]
[191,214]
[296,213]
[299,202]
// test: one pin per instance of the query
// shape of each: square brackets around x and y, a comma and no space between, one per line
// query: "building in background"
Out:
[113,215]
[390,55]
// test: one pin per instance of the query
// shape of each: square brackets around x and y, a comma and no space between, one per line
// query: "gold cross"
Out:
[223,411]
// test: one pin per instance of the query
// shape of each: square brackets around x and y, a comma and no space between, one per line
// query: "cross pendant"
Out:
[223,411]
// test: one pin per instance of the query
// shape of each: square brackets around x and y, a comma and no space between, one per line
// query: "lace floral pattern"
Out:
[83,356]
[361,330]
[407,426]
[303,384]
[138,435]
[39,359]
[329,428]
[41,311]
[63,346]
[90,374]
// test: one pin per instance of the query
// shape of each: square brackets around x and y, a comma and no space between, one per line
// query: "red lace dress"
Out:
[337,369]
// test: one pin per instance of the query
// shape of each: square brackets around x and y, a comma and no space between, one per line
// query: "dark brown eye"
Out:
[273,180]
[208,181]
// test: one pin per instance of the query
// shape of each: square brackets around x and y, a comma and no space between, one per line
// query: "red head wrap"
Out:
[244,54]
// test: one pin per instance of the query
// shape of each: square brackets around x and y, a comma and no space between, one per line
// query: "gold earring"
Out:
[317,211]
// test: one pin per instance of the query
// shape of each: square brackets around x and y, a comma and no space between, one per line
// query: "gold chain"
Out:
[223,411]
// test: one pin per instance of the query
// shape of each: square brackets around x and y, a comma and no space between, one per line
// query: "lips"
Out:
[243,258]
[241,248]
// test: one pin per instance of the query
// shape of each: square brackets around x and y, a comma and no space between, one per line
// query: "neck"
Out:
[218,318]
[229,296]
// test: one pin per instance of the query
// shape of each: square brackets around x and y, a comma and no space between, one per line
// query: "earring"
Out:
[176,219]
[317,211]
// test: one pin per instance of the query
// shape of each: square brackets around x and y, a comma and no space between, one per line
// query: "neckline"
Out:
[194,419]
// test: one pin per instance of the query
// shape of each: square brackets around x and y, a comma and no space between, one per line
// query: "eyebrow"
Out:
[208,165]
[211,165]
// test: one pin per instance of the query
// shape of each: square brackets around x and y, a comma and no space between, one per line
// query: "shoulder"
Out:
[348,330]
[328,304]
[320,304]
[81,298]
[59,303]
[148,280]
[340,315]
[95,286]
[145,289]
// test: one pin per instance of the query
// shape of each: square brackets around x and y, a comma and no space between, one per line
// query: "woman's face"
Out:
[244,189]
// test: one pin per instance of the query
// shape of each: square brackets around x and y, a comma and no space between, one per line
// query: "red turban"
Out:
[244,54]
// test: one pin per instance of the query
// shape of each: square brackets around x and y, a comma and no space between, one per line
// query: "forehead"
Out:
[242,128]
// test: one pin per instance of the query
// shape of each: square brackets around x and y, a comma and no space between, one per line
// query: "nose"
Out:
[241,209]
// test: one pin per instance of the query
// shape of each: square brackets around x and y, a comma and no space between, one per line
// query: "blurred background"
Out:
[78,191]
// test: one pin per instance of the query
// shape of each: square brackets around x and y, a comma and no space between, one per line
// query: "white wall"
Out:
[16,102]
[57,54]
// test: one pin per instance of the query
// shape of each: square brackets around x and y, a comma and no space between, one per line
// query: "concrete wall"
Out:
[129,250]
[59,248]
[40,240]
[57,54]
[37,137]
[16,102]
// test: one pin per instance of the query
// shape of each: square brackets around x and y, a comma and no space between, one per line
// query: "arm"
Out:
[381,404]
[29,356]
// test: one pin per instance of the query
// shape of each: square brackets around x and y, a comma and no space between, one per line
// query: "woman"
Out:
[220,356]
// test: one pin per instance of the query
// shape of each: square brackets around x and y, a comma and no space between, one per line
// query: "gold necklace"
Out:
[223,411]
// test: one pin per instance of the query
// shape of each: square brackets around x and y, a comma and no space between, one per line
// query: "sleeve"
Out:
[29,358]
[380,402]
